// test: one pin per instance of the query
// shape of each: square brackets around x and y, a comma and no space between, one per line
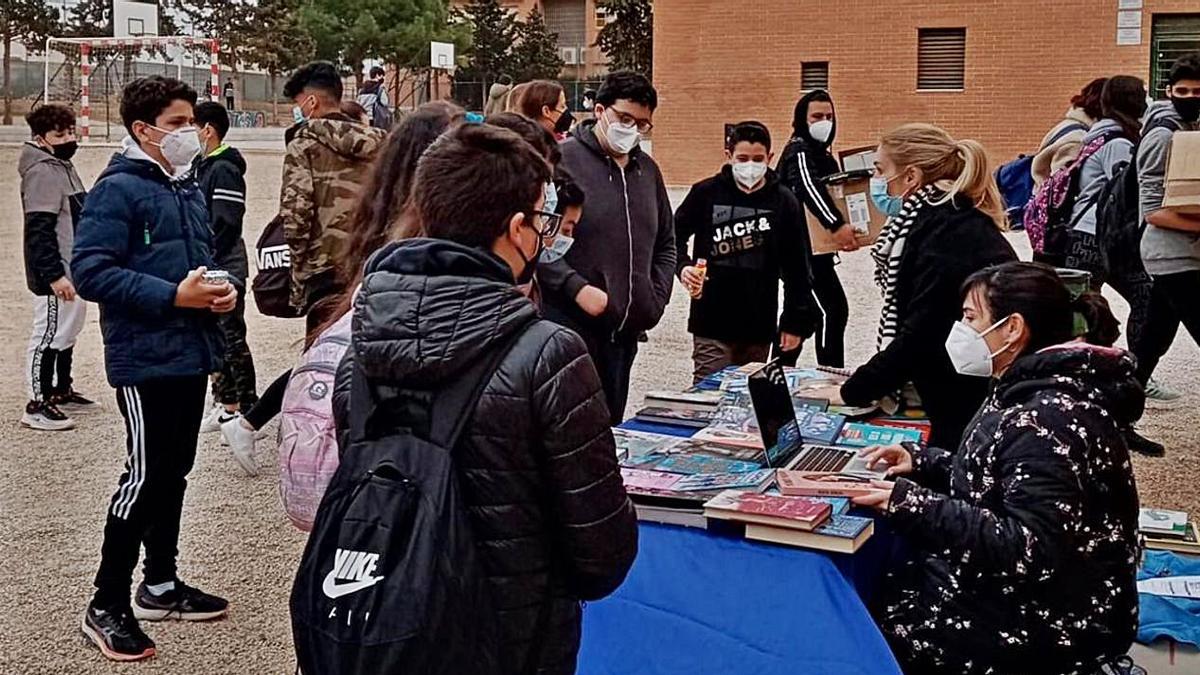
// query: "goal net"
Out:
[88,74]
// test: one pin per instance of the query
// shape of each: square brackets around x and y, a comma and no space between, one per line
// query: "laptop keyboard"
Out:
[823,458]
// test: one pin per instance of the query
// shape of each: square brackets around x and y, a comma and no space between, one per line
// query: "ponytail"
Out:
[977,182]
[1103,329]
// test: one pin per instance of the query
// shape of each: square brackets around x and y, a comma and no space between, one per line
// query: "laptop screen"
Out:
[775,414]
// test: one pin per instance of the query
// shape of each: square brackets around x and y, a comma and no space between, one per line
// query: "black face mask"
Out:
[1188,108]
[526,275]
[563,125]
[64,151]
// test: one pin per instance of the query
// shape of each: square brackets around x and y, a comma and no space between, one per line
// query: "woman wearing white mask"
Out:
[1026,539]
[948,228]
[803,166]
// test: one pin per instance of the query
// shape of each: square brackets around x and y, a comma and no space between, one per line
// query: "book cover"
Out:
[822,484]
[844,527]
[694,464]
[655,481]
[814,539]
[860,435]
[1188,543]
[819,404]
[695,446]
[715,482]
[785,511]
[687,400]
[684,418]
[733,437]
[1163,522]
[637,444]
[819,427]
[920,426]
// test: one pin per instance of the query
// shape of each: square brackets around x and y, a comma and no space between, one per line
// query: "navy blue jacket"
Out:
[139,236]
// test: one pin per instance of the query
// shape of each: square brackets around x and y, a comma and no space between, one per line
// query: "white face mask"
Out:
[180,147]
[749,173]
[821,131]
[968,350]
[623,138]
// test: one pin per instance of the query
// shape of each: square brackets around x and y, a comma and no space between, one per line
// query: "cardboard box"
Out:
[1182,182]
[852,195]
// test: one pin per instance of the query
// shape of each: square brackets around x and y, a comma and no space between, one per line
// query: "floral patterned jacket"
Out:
[1026,539]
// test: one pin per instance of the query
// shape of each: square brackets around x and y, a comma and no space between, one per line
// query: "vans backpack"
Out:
[1048,218]
[272,284]
[308,451]
[390,581]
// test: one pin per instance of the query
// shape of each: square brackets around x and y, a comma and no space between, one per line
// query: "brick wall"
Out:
[717,61]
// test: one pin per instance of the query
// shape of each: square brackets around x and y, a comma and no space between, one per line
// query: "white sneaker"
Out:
[212,421]
[1157,391]
[46,417]
[241,443]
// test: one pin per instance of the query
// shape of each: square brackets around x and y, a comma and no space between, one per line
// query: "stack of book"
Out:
[793,521]
[1169,531]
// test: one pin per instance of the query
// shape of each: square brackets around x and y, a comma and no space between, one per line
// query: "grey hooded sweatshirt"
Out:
[52,199]
[1163,251]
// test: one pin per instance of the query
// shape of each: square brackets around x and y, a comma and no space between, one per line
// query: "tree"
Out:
[27,22]
[230,21]
[628,40]
[344,31]
[535,56]
[278,44]
[493,32]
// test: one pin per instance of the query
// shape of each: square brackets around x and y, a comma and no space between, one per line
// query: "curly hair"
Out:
[49,118]
[144,99]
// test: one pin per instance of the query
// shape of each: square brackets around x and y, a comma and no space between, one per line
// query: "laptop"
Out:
[785,448]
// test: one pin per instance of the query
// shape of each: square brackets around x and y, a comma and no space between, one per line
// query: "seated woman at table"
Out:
[949,228]
[1026,539]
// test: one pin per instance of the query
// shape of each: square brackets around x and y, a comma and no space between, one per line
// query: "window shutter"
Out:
[814,75]
[941,58]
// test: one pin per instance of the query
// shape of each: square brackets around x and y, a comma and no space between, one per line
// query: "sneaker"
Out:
[212,421]
[73,399]
[45,416]
[182,603]
[240,437]
[116,634]
[1156,391]
[1142,445]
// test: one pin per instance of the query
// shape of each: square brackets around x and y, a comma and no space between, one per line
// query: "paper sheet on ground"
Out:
[1176,587]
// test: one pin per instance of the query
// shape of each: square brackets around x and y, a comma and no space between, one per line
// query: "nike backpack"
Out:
[390,582]
[272,284]
[308,451]
[1048,216]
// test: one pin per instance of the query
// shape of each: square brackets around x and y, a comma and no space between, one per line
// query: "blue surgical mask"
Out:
[550,192]
[298,115]
[887,204]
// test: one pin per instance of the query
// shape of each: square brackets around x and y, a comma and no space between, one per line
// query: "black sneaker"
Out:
[73,399]
[117,634]
[1142,445]
[182,603]
[45,416]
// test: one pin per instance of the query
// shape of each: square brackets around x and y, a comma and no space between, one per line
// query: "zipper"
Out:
[629,232]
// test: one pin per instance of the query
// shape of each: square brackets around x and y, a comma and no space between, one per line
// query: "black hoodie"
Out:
[624,244]
[222,179]
[750,241]
[805,163]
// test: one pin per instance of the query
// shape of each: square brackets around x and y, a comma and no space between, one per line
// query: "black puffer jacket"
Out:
[1027,537]
[538,463]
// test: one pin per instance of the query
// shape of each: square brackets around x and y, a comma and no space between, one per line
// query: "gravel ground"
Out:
[235,540]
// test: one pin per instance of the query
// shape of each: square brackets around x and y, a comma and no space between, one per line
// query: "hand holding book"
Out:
[879,498]
[898,459]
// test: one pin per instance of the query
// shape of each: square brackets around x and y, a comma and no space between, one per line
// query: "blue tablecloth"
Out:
[696,603]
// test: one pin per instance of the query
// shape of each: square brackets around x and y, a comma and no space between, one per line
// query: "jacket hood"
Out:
[800,120]
[348,139]
[1100,128]
[1079,115]
[133,160]
[31,155]
[1082,371]
[231,155]
[430,308]
[1161,110]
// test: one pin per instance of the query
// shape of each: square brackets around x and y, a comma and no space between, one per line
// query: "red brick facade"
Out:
[717,61]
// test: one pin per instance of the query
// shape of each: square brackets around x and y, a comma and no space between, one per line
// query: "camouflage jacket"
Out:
[322,173]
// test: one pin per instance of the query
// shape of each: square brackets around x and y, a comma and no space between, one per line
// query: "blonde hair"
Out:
[957,167]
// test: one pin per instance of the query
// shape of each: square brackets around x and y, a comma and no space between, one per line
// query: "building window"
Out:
[814,75]
[941,59]
[1171,36]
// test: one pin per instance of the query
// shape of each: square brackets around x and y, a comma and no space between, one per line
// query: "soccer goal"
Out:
[89,73]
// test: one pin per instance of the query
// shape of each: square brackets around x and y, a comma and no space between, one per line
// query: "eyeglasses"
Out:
[551,223]
[643,126]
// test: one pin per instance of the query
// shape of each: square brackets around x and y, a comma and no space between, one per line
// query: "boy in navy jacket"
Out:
[141,253]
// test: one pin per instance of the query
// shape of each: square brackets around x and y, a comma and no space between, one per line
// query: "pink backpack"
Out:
[1048,215]
[308,452]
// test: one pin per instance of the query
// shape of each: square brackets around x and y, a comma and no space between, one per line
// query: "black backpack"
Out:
[272,285]
[390,581]
[1119,223]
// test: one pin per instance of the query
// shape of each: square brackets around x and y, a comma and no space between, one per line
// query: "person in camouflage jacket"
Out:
[322,171]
